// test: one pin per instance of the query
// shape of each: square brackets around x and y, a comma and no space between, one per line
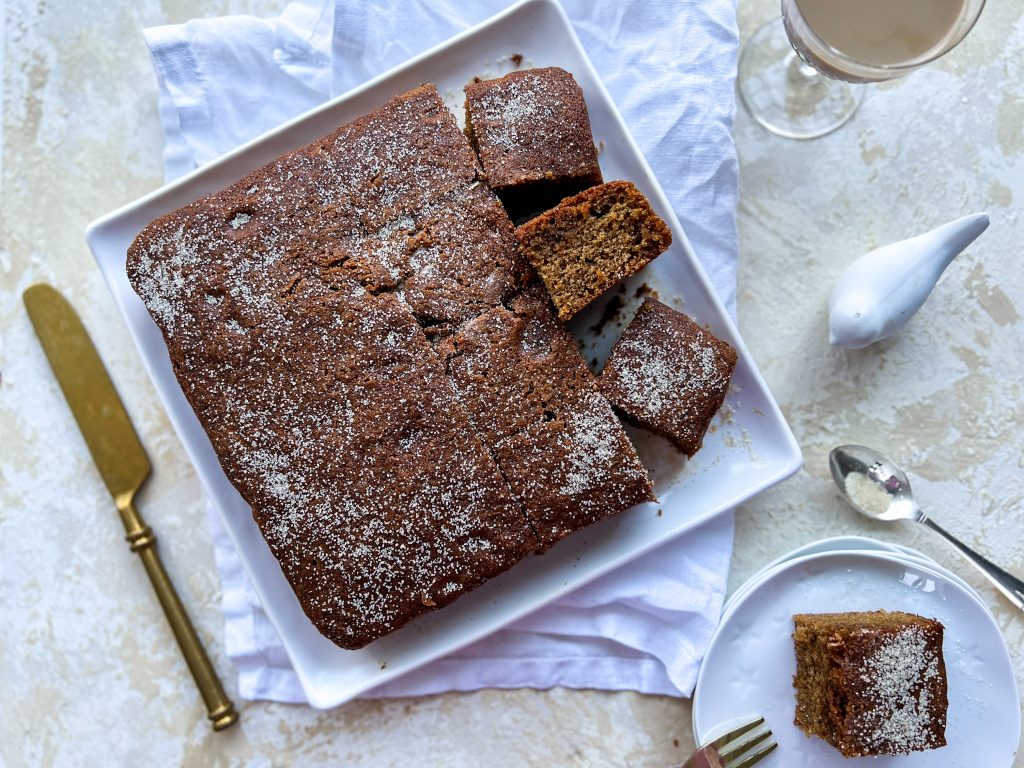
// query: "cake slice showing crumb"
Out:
[871,683]
[587,243]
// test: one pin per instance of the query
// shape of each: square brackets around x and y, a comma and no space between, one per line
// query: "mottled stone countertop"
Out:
[88,673]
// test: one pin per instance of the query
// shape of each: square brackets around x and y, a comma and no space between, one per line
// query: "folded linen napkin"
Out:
[670,69]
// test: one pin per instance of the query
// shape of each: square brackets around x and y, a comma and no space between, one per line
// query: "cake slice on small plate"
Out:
[871,683]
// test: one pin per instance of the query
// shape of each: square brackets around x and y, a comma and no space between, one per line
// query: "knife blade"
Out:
[95,404]
[123,464]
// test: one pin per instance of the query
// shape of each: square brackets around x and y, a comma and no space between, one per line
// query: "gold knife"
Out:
[122,463]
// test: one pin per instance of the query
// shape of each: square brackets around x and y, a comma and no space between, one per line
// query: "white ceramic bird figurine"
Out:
[881,291]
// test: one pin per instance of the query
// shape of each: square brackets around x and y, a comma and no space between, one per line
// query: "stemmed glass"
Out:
[799,75]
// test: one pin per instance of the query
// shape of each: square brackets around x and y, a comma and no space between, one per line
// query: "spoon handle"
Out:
[1006,583]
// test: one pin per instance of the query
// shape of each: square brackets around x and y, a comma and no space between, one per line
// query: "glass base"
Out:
[786,95]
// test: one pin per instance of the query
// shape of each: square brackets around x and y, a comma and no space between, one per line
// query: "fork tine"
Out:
[756,757]
[743,746]
[735,733]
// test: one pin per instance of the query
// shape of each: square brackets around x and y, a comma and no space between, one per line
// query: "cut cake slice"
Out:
[871,683]
[587,243]
[531,131]
[668,375]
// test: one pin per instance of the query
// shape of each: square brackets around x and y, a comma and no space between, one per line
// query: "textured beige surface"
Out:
[90,675]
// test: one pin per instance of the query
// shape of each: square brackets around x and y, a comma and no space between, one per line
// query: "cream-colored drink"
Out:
[883,32]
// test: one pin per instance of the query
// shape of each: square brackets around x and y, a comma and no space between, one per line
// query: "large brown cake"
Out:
[300,307]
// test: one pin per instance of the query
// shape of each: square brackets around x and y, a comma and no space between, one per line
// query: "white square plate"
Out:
[750,449]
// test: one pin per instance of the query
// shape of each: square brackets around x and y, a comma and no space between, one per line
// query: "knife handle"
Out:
[142,540]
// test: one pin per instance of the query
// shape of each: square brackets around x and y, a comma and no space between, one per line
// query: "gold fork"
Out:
[732,751]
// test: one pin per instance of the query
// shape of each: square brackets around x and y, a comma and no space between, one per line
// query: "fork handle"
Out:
[707,757]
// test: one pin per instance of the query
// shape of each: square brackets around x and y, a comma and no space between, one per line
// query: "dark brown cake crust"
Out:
[871,683]
[462,258]
[587,243]
[536,405]
[668,375]
[280,300]
[531,131]
[296,306]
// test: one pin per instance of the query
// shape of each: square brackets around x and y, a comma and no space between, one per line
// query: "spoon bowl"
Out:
[873,484]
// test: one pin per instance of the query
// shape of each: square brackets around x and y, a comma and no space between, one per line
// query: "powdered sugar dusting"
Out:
[899,676]
[593,438]
[513,112]
[530,126]
[668,373]
[666,381]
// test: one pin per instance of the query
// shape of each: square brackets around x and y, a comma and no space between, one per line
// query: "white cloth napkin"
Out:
[670,68]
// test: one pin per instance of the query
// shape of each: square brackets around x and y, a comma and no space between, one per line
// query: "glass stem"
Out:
[800,73]
[808,72]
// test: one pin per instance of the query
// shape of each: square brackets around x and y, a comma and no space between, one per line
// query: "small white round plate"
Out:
[832,544]
[897,554]
[750,663]
[910,556]
[843,544]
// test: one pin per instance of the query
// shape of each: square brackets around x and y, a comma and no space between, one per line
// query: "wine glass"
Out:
[799,75]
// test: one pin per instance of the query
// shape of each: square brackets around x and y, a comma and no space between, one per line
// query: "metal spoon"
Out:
[878,488]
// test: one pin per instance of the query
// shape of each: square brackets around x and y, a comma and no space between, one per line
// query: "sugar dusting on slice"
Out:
[593,438]
[513,112]
[669,372]
[898,676]
[665,378]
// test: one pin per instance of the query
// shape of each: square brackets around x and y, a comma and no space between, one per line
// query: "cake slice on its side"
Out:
[536,405]
[871,683]
[531,131]
[668,375]
[587,243]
